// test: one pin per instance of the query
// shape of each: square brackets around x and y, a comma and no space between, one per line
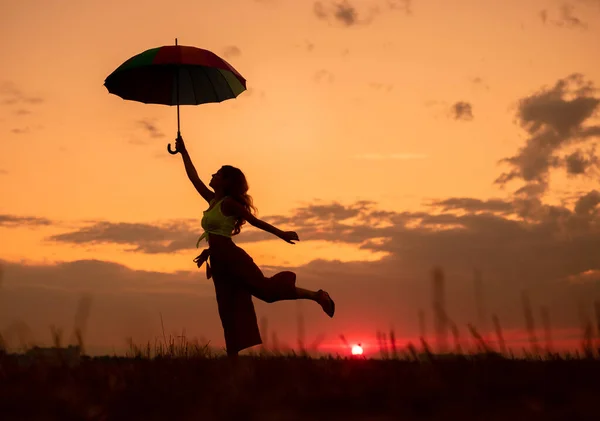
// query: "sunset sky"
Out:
[391,135]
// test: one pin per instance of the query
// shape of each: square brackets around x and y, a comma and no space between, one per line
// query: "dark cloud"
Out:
[516,245]
[144,238]
[577,163]
[232,51]
[554,119]
[342,12]
[462,110]
[14,221]
[324,76]
[22,111]
[345,13]
[150,128]
[123,303]
[587,204]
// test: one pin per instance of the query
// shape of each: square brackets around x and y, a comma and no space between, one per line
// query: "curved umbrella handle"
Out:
[172,152]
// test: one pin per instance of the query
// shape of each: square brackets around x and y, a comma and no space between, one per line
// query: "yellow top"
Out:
[214,222]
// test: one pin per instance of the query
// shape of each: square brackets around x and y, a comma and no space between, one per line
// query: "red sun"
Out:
[357,350]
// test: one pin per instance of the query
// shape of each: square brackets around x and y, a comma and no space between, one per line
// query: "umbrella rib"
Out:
[193,87]
[210,83]
[227,83]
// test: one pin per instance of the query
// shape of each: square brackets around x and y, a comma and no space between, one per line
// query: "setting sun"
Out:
[357,350]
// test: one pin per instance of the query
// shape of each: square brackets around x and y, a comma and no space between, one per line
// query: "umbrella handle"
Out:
[172,152]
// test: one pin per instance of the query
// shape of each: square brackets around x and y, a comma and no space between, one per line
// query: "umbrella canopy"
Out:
[175,75]
[152,77]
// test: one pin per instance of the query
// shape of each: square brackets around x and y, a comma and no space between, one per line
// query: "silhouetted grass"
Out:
[175,378]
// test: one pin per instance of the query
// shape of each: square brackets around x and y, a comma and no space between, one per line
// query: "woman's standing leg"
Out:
[236,311]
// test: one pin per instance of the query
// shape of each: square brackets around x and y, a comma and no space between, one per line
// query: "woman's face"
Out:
[217,181]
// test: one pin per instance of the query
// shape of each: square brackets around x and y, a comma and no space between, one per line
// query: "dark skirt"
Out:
[237,278]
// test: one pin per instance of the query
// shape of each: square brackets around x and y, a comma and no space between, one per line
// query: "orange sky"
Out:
[348,101]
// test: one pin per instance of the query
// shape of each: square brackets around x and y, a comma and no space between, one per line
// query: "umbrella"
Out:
[175,75]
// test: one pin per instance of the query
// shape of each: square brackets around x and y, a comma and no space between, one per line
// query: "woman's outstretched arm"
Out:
[192,174]
[234,208]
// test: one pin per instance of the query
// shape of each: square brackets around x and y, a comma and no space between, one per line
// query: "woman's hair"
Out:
[236,187]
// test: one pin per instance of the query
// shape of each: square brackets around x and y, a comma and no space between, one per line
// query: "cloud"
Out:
[308,45]
[20,130]
[345,13]
[480,83]
[402,5]
[232,51]
[553,118]
[342,12]
[3,172]
[472,205]
[540,252]
[167,237]
[566,17]
[577,163]
[14,221]
[518,243]
[324,76]
[381,86]
[10,94]
[462,110]
[393,156]
[123,302]
[151,129]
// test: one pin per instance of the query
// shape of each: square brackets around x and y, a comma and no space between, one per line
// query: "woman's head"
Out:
[231,181]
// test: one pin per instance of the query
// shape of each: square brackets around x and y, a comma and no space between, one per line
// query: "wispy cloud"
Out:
[15,221]
[21,130]
[402,5]
[324,76]
[3,172]
[10,94]
[231,51]
[566,17]
[150,128]
[479,82]
[378,86]
[14,97]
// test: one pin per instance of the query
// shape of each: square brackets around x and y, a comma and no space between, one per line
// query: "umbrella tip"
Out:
[175,41]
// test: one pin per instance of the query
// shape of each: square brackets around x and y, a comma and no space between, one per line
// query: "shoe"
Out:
[326,302]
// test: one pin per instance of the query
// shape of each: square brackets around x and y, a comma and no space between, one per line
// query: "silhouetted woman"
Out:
[235,275]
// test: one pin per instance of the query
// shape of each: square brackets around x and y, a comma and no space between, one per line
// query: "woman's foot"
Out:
[326,302]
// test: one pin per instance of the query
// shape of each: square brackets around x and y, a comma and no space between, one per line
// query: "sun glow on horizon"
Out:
[357,350]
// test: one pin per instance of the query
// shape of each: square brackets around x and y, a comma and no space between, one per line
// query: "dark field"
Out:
[296,388]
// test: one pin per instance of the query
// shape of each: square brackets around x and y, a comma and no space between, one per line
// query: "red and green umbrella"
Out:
[175,75]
